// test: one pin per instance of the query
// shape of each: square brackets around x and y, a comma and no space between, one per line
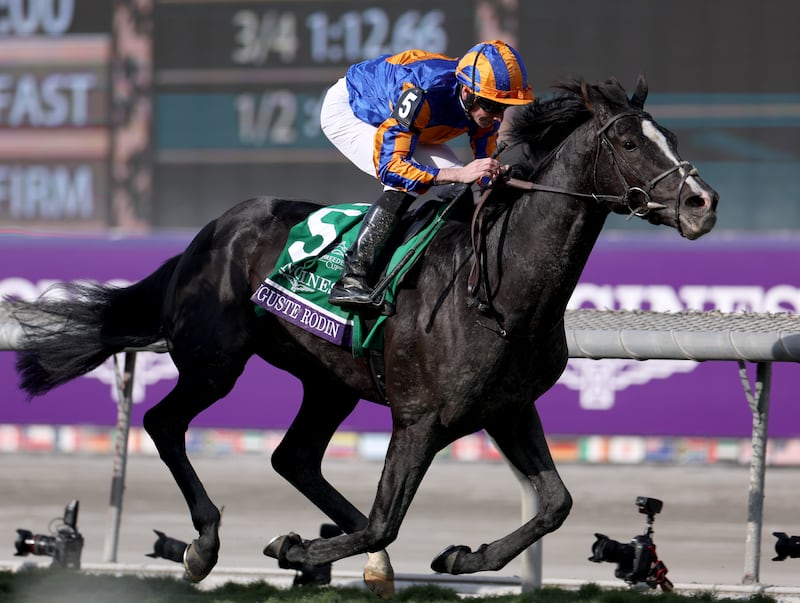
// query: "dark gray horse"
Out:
[450,369]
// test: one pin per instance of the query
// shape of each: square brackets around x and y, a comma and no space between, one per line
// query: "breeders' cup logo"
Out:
[150,368]
[598,381]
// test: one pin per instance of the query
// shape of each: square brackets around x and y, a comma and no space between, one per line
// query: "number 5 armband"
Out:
[407,106]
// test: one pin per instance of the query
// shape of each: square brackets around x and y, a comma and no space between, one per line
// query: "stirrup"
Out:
[350,290]
[350,300]
[359,301]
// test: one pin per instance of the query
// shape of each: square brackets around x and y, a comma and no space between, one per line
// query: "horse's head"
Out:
[638,160]
[634,162]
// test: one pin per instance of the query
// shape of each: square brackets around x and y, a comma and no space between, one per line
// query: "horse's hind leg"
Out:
[411,451]
[521,439]
[167,423]
[298,459]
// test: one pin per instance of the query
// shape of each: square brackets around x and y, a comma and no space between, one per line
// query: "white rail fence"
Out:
[745,338]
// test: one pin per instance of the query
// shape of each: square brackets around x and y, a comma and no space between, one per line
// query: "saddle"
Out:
[298,287]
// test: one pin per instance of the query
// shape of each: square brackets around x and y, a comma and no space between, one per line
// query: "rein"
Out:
[638,209]
[636,199]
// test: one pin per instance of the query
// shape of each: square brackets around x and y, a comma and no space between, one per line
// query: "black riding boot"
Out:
[353,290]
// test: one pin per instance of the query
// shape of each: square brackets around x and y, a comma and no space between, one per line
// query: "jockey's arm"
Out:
[485,167]
[397,168]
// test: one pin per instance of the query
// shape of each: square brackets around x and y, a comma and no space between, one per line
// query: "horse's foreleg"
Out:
[411,451]
[166,423]
[522,441]
[298,459]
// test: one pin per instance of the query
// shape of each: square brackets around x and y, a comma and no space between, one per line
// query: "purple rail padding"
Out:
[608,397]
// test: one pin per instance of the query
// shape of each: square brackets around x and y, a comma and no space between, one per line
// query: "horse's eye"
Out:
[629,145]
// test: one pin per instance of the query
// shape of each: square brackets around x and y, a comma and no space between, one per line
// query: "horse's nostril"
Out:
[695,202]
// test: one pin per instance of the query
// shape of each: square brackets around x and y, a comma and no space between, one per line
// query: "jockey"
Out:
[391,116]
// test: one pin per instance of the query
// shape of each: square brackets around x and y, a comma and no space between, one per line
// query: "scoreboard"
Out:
[140,114]
[252,74]
[54,112]
[238,87]
[134,114]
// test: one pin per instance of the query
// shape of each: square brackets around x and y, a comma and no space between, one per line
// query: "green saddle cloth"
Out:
[297,289]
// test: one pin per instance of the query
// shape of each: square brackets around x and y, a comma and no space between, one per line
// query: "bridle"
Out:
[636,199]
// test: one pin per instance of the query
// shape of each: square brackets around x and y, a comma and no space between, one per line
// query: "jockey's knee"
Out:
[394,201]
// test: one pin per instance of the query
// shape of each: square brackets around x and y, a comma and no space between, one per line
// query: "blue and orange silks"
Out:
[376,85]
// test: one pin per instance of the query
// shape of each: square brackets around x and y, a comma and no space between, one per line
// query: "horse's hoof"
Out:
[379,575]
[278,547]
[446,562]
[380,584]
[196,567]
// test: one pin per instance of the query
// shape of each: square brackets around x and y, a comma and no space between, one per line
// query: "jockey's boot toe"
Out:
[353,293]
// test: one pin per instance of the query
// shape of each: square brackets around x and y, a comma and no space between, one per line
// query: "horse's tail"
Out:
[69,335]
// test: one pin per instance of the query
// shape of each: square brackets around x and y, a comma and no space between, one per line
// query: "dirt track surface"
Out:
[700,534]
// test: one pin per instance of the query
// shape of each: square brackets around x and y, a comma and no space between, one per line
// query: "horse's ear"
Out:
[640,94]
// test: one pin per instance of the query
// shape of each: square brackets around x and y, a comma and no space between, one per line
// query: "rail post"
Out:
[124,383]
[758,399]
[531,558]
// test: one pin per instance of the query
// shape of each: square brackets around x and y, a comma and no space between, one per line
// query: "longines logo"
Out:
[596,381]
[666,298]
[150,368]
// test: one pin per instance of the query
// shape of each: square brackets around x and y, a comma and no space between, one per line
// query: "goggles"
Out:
[490,106]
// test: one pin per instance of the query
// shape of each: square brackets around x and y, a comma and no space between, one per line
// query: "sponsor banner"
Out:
[606,397]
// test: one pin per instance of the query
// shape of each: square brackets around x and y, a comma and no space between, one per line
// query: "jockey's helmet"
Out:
[494,70]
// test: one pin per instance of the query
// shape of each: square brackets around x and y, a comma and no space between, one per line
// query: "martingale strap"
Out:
[477,272]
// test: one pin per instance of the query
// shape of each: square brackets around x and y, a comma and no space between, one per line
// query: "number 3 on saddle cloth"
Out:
[297,289]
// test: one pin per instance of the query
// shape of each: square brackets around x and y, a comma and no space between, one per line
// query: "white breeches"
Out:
[355,139]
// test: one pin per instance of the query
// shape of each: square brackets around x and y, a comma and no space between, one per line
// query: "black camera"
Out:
[64,545]
[787,546]
[637,560]
[649,506]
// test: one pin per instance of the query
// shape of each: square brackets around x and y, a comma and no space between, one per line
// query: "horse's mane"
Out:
[544,124]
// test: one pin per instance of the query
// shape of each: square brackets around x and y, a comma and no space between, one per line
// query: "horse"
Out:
[451,367]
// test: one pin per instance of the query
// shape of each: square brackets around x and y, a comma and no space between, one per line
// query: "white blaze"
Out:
[653,133]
